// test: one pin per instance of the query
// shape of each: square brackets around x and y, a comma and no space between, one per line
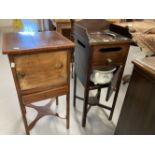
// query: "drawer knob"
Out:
[109,60]
[21,74]
[58,66]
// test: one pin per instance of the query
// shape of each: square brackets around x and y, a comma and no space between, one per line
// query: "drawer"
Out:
[114,54]
[41,69]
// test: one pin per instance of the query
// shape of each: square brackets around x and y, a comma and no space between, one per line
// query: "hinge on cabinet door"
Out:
[12,65]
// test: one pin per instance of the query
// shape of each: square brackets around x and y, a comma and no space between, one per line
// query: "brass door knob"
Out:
[21,74]
[58,65]
[109,60]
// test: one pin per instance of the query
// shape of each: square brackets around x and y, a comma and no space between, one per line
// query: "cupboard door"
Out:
[41,70]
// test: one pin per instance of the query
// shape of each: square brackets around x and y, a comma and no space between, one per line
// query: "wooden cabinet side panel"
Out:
[138,111]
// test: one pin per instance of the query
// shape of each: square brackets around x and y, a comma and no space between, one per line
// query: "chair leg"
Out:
[74,93]
[85,106]
[68,110]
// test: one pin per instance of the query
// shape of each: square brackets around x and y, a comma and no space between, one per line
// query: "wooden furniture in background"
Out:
[137,30]
[40,64]
[97,47]
[137,116]
[63,26]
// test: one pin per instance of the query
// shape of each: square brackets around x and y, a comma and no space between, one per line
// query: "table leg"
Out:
[68,110]
[85,107]
[23,111]
[57,101]
[74,93]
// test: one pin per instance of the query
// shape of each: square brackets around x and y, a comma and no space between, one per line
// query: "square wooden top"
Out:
[147,64]
[28,42]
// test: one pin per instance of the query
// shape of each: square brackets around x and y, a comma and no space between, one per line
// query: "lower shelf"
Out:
[93,101]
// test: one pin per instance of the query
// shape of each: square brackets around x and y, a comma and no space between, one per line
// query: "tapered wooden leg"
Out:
[74,93]
[72,57]
[23,111]
[68,110]
[57,101]
[115,98]
[72,70]
[98,93]
[85,106]
[113,105]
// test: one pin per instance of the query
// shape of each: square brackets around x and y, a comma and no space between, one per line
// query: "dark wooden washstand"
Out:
[89,55]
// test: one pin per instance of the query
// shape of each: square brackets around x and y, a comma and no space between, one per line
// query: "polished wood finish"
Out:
[40,64]
[138,112]
[42,111]
[44,94]
[41,70]
[22,42]
[63,26]
[93,52]
[147,65]
[117,55]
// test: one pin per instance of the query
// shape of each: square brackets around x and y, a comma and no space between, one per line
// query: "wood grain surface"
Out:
[18,43]
[41,70]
